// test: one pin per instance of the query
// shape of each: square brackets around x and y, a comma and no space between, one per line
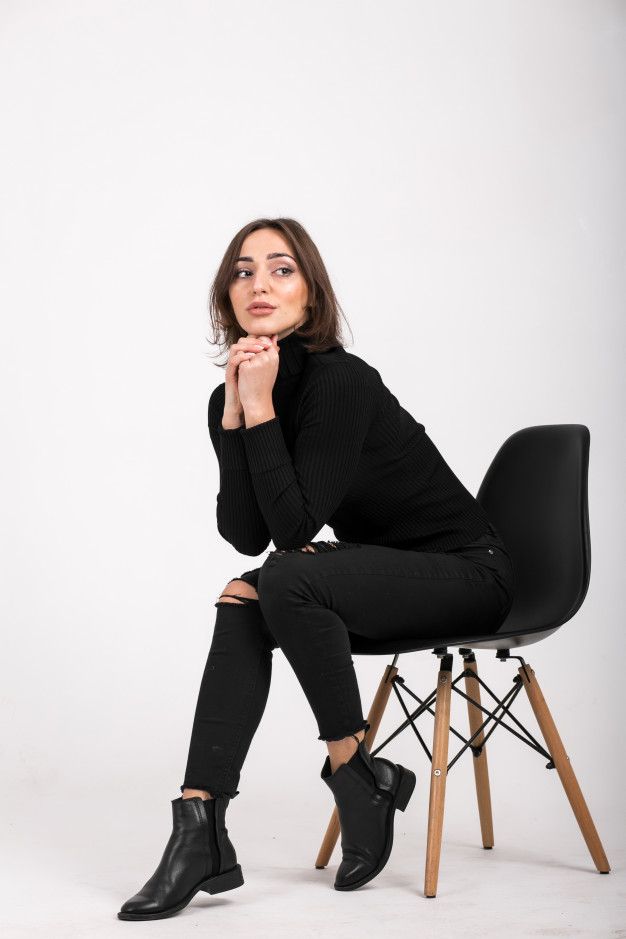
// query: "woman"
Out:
[307,434]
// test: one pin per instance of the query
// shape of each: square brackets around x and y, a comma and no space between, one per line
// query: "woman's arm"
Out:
[239,519]
[298,496]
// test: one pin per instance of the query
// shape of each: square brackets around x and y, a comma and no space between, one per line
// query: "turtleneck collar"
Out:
[292,355]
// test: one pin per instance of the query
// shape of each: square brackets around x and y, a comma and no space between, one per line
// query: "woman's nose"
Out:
[259,282]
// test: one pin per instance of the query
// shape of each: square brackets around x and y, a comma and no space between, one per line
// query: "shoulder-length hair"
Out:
[321,331]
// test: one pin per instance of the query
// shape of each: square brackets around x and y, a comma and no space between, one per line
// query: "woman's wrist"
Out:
[231,420]
[258,414]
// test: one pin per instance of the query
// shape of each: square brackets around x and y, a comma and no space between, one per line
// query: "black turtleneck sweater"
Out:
[341,451]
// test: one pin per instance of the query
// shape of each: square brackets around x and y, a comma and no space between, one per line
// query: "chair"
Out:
[535,493]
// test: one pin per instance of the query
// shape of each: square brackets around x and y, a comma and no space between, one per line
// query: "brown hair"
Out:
[322,328]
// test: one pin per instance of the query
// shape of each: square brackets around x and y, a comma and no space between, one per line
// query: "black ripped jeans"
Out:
[309,605]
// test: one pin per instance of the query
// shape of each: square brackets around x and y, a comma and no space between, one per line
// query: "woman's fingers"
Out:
[256,342]
[243,350]
[241,356]
[234,361]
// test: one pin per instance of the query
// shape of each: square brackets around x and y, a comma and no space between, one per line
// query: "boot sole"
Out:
[217,884]
[400,801]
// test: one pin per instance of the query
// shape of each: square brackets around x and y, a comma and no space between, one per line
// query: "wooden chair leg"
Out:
[564,768]
[481,771]
[374,718]
[439,772]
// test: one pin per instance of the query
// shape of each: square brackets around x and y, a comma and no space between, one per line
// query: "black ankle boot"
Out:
[367,791]
[198,856]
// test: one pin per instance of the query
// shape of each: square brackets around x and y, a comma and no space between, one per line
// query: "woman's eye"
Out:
[244,270]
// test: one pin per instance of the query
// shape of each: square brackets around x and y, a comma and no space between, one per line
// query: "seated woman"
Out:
[307,434]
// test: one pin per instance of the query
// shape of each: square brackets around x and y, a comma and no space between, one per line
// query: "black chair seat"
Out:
[535,493]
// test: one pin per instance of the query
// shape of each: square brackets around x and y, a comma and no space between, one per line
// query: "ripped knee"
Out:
[238,592]
[315,547]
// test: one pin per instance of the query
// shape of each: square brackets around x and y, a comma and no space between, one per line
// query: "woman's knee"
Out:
[315,547]
[238,591]
[287,580]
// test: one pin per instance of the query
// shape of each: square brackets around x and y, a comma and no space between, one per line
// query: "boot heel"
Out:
[227,881]
[405,788]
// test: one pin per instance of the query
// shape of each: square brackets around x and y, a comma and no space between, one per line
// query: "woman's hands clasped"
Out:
[250,376]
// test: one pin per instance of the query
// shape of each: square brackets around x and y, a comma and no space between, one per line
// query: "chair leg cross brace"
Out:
[441,696]
[474,705]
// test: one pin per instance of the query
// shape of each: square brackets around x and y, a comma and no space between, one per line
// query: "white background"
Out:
[461,169]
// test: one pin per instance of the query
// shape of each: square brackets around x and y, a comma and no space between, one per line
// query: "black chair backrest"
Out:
[535,493]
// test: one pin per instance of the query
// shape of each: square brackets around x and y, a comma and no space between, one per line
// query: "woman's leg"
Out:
[199,854]
[313,601]
[341,751]
[233,694]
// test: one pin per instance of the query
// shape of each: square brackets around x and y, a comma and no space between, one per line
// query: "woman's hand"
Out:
[241,351]
[256,378]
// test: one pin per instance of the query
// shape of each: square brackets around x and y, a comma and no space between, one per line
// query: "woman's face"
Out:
[267,272]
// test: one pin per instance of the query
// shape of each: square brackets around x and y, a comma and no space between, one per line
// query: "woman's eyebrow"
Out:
[276,254]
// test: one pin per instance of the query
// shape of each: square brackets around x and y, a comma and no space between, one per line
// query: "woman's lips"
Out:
[261,310]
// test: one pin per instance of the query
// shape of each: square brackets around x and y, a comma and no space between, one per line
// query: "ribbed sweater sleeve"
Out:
[297,495]
[239,518]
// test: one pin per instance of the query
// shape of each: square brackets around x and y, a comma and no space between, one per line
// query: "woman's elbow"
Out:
[294,542]
[245,545]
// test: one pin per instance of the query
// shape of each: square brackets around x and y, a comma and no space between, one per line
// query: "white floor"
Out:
[69,865]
